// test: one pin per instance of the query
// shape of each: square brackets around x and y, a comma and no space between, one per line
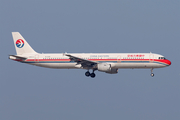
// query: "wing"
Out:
[84,63]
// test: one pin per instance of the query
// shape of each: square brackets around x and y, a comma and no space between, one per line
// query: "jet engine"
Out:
[113,71]
[106,67]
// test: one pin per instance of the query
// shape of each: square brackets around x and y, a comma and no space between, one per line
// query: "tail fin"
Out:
[21,45]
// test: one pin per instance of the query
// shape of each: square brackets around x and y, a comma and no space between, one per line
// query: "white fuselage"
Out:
[117,60]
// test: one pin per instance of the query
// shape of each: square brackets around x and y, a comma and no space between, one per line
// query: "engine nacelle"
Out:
[113,71]
[105,67]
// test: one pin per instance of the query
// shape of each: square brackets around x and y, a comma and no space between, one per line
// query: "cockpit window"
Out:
[163,58]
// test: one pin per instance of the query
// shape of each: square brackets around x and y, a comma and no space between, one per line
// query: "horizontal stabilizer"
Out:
[16,57]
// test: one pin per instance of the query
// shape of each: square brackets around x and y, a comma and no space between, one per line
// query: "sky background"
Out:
[80,26]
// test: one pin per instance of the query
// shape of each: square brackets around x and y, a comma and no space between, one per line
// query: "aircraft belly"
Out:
[138,65]
[115,65]
[56,65]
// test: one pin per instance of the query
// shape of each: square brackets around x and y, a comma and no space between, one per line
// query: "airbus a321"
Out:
[104,62]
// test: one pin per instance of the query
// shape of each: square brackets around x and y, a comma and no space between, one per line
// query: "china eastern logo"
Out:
[19,43]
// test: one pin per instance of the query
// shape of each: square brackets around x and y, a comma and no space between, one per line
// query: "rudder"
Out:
[21,45]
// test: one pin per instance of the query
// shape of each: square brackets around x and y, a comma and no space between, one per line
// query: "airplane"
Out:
[103,62]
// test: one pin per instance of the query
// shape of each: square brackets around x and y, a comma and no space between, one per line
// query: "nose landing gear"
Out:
[90,74]
[152,74]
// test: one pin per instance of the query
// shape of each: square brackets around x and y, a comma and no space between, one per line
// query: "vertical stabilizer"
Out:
[21,45]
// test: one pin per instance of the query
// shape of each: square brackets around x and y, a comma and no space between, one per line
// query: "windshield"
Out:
[162,58]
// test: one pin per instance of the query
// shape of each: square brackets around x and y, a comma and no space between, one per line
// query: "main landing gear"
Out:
[152,74]
[90,74]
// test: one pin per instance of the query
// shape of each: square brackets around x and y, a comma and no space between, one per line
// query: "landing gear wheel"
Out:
[87,74]
[93,75]
[152,74]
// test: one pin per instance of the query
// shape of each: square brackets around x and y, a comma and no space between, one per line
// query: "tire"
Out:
[152,74]
[93,75]
[87,74]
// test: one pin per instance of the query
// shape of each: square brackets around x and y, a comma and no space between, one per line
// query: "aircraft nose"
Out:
[168,62]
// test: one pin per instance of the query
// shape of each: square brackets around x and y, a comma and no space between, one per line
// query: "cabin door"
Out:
[151,58]
[118,58]
[36,58]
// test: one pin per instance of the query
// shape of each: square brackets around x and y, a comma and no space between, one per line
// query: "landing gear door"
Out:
[36,58]
[151,58]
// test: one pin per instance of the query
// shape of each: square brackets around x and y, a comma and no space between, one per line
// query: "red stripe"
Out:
[157,60]
[164,61]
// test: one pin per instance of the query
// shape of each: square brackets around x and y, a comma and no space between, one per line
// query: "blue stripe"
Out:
[96,61]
